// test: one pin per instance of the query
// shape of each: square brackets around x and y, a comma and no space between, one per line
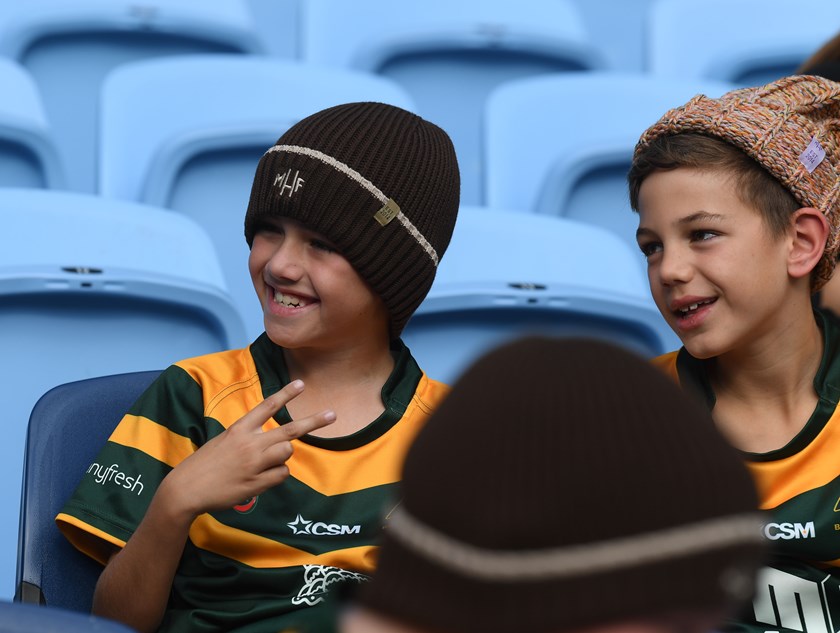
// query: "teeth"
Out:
[693,307]
[286,300]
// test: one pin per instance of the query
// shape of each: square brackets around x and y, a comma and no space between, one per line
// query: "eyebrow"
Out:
[700,216]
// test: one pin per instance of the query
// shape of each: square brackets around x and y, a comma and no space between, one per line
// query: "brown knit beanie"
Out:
[565,484]
[379,182]
[791,127]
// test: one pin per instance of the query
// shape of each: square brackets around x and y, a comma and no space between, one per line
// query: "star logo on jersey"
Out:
[300,525]
[319,528]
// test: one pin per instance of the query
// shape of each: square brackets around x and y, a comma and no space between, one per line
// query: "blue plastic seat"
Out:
[69,46]
[619,28]
[28,155]
[277,26]
[449,55]
[508,273]
[187,134]
[26,618]
[562,145]
[748,42]
[90,287]
[67,428]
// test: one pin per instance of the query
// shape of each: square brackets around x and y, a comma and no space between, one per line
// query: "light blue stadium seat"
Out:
[562,145]
[28,156]
[619,28]
[68,426]
[508,273]
[69,46]
[449,55]
[26,618]
[89,287]
[277,24]
[748,42]
[187,134]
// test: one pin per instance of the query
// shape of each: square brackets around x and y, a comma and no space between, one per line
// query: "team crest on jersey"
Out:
[317,580]
[247,506]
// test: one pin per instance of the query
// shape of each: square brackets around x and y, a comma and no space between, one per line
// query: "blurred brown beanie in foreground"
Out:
[564,484]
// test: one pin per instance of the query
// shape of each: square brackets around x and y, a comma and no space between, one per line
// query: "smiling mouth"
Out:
[692,308]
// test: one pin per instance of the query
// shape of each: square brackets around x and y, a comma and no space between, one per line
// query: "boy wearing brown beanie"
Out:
[230,498]
[738,219]
[565,485]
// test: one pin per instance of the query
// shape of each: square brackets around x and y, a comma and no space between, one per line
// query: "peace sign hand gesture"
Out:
[243,461]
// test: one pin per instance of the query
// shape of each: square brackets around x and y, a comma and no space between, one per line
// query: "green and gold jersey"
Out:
[799,489]
[266,563]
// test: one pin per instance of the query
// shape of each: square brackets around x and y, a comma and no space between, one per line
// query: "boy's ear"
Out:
[809,232]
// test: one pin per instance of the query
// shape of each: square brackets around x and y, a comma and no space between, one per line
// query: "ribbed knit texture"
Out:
[547,444]
[774,124]
[408,159]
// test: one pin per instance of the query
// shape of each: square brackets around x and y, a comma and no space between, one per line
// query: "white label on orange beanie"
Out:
[813,155]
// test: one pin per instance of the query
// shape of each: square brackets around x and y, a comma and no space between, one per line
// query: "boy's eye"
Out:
[322,246]
[702,235]
[650,248]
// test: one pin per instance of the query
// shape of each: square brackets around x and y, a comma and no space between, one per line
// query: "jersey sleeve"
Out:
[160,430]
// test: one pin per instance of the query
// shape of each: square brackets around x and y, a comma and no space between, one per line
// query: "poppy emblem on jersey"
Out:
[246,506]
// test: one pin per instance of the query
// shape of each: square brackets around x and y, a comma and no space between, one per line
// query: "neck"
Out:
[765,395]
[348,381]
[778,366]
[349,366]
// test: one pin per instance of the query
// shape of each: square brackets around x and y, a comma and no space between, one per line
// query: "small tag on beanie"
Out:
[813,155]
[387,212]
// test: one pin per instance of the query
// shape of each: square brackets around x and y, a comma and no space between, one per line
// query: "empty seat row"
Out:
[186,133]
[68,49]
[447,56]
[199,159]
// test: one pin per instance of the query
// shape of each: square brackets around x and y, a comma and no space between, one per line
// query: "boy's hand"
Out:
[241,462]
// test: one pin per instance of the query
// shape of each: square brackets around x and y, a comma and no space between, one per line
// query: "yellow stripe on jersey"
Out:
[248,390]
[815,466]
[153,439]
[340,473]
[225,374]
[256,551]
[668,364]
[83,537]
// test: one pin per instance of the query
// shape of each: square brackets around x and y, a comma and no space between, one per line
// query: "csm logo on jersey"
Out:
[302,526]
[789,531]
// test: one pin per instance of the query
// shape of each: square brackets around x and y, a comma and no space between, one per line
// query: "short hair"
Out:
[754,185]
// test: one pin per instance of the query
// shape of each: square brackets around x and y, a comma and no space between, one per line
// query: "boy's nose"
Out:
[285,262]
[674,267]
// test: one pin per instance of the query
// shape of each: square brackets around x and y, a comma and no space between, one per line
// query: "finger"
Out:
[276,475]
[266,409]
[299,428]
[278,453]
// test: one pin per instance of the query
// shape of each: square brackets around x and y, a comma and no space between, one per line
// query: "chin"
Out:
[702,350]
